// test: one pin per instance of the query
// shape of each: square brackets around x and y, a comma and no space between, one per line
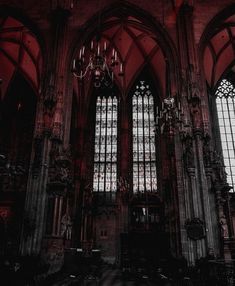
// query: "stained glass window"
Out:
[225,104]
[144,153]
[105,157]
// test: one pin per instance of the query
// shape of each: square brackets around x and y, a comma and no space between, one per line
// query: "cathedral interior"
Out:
[117,137]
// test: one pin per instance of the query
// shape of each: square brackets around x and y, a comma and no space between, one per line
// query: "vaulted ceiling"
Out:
[219,54]
[19,52]
[136,46]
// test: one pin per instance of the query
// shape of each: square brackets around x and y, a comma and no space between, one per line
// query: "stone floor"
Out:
[110,277]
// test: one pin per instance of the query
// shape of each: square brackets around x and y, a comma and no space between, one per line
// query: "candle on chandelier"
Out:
[121,68]
[105,46]
[92,45]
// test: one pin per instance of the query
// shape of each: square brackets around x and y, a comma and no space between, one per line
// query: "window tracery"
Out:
[144,153]
[105,155]
[225,103]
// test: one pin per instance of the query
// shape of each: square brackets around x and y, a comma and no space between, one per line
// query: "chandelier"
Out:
[97,63]
[8,169]
[169,115]
[64,4]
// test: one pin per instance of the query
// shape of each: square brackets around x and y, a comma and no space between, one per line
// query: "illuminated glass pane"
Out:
[105,151]
[144,159]
[226,116]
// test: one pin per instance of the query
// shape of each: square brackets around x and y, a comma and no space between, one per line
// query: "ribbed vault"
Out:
[219,52]
[137,47]
[19,51]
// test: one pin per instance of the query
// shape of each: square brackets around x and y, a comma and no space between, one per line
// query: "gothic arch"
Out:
[21,69]
[148,42]
[216,47]
[21,47]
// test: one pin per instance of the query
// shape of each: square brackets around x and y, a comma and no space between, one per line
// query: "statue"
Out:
[66,226]
[224,227]
[207,152]
[188,153]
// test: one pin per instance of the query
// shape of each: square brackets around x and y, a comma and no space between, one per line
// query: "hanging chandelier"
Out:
[64,4]
[97,63]
[169,115]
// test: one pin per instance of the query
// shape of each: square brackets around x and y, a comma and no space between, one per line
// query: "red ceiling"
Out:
[219,53]
[19,51]
[136,47]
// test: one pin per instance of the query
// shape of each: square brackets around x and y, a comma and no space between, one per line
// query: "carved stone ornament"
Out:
[60,173]
[195,228]
[188,155]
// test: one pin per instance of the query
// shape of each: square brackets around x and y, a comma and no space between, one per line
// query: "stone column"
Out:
[49,125]
[191,83]
[193,203]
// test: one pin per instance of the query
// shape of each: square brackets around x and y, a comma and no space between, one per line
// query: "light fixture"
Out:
[64,4]
[98,63]
[8,169]
[169,115]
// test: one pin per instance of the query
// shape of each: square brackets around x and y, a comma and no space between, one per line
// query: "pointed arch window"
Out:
[144,153]
[105,154]
[225,103]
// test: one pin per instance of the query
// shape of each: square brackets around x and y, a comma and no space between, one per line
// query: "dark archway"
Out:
[16,133]
[20,74]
